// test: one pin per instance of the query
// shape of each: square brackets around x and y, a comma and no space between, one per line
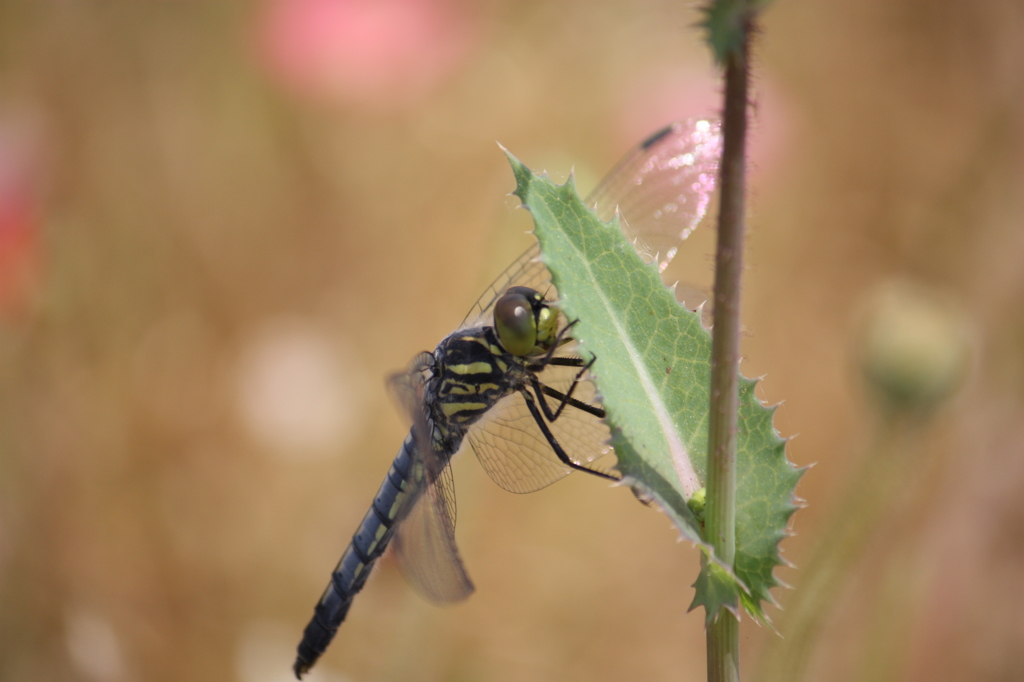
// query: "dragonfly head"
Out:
[525,323]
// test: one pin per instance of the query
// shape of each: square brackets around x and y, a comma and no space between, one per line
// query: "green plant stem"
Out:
[723,635]
[723,648]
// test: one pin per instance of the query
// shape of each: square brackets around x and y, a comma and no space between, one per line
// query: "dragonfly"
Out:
[509,383]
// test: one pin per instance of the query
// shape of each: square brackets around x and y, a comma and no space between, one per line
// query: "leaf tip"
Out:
[522,174]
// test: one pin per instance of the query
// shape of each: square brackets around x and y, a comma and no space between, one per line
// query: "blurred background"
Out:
[223,224]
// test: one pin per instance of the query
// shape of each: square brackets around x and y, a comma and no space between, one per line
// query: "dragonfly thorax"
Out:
[472,371]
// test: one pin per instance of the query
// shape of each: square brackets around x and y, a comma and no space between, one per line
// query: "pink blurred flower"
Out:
[20,218]
[372,53]
[655,99]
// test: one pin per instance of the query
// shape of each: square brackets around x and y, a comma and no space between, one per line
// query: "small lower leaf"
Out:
[716,589]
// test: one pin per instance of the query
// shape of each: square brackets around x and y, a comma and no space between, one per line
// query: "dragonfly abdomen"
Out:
[349,576]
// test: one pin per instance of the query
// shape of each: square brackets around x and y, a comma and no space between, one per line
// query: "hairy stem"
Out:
[723,635]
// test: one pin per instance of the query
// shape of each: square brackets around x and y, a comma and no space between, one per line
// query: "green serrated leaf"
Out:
[716,590]
[653,373]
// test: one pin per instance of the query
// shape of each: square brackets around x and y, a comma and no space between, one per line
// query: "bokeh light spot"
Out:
[297,393]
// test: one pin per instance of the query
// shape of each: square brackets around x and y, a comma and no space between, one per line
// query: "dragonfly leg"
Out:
[564,398]
[531,405]
[562,362]
[573,402]
[558,362]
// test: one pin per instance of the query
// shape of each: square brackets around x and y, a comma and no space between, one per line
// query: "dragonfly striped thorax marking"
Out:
[510,382]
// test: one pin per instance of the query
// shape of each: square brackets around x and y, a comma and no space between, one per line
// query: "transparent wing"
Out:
[526,271]
[661,189]
[514,452]
[424,537]
[424,544]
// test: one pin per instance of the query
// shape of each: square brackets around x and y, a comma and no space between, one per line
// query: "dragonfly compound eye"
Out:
[515,323]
